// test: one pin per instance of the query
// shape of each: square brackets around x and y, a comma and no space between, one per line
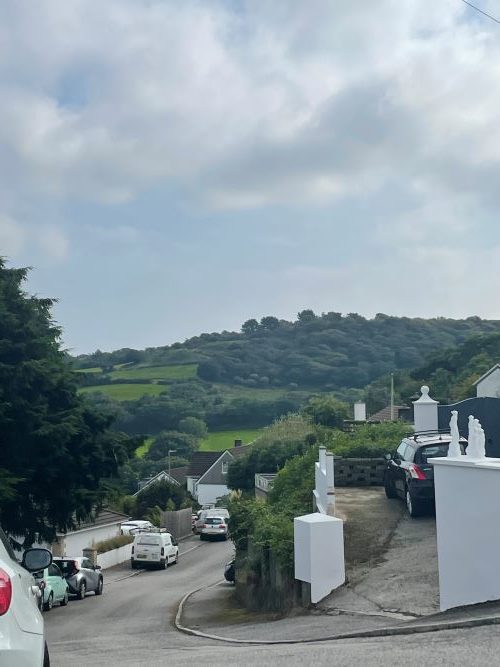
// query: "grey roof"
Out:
[179,474]
[483,377]
[239,451]
[201,462]
[384,415]
[103,518]
[160,476]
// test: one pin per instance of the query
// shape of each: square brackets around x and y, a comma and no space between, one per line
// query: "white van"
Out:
[158,549]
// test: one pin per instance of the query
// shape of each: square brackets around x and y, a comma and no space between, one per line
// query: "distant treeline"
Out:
[330,352]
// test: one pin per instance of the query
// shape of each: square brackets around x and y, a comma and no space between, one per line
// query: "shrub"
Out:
[113,543]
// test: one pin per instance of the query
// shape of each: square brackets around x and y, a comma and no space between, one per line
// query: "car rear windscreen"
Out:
[431,451]
[148,539]
[213,520]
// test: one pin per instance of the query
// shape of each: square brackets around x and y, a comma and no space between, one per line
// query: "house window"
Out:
[225,466]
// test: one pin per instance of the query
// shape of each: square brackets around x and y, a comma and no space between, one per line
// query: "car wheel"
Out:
[390,491]
[65,599]
[176,558]
[163,564]
[98,590]
[413,506]
[202,537]
[133,564]
[82,590]
[50,603]
[46,657]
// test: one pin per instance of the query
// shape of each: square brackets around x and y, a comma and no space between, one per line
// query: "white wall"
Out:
[468,531]
[191,483]
[75,543]
[114,557]
[490,386]
[208,493]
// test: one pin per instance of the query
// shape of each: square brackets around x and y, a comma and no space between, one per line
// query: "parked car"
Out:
[215,526]
[53,585]
[158,549]
[81,575]
[229,571]
[203,514]
[22,639]
[136,526]
[410,476]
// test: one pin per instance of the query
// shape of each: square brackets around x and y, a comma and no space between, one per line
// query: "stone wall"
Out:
[359,472]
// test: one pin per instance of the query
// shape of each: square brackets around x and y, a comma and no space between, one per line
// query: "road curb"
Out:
[389,631]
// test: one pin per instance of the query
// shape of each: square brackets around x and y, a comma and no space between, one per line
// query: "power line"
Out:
[481,11]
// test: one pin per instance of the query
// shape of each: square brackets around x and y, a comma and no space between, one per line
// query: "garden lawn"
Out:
[126,392]
[217,441]
[172,372]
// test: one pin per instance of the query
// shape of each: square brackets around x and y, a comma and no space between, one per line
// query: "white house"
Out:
[489,383]
[105,525]
[207,474]
[162,476]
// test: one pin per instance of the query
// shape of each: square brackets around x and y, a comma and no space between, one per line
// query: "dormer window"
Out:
[225,466]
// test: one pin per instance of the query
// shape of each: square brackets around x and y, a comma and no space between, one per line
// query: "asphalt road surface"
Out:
[131,625]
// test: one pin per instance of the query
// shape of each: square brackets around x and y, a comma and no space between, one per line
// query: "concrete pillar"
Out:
[359,412]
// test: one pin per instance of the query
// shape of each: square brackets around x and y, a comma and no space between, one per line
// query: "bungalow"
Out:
[488,384]
[105,524]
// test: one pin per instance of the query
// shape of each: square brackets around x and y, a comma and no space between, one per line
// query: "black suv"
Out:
[410,476]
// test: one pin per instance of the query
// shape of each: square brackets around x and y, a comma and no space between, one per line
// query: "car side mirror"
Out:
[97,567]
[388,457]
[36,559]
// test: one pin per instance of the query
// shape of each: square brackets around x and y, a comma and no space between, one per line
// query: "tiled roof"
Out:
[239,451]
[179,474]
[384,415]
[201,462]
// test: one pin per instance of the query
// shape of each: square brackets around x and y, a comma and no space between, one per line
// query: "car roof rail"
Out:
[435,431]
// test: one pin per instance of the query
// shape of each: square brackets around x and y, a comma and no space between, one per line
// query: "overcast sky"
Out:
[170,168]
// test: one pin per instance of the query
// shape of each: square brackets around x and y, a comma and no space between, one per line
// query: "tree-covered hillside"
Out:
[328,352]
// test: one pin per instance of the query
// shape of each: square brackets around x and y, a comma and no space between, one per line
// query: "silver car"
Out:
[214,527]
[82,576]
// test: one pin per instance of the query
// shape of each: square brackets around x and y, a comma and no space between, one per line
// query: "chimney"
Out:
[238,443]
[359,412]
[425,412]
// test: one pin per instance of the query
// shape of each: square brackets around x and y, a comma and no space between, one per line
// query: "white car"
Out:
[22,639]
[135,526]
[159,549]
[214,527]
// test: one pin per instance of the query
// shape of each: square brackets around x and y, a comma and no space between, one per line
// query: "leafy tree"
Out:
[269,323]
[55,448]
[306,316]
[160,494]
[193,426]
[184,445]
[326,410]
[250,327]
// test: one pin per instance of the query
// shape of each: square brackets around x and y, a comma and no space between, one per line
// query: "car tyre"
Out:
[82,590]
[50,603]
[176,558]
[46,657]
[390,491]
[65,599]
[133,564]
[413,507]
[98,590]
[202,537]
[163,564]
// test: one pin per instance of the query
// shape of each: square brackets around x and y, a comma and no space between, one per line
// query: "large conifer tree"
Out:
[55,449]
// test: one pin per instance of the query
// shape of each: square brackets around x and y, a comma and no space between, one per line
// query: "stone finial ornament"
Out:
[454,448]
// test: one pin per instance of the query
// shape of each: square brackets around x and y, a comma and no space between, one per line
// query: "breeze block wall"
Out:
[359,472]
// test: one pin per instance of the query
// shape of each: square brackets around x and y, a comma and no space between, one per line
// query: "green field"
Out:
[173,372]
[259,393]
[220,440]
[141,451]
[97,369]
[126,392]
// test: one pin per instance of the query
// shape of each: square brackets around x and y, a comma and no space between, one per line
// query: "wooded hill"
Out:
[330,352]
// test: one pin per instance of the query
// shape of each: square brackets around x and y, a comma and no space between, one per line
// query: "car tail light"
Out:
[5,592]
[416,471]
[162,551]
[222,525]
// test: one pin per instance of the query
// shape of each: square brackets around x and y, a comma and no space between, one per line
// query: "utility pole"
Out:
[392,397]
[170,451]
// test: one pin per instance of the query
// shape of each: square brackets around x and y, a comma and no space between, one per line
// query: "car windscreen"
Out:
[431,451]
[66,566]
[148,539]
[213,520]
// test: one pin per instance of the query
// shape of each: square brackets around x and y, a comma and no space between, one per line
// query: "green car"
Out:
[53,585]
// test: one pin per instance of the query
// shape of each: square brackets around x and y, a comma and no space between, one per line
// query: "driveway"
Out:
[391,560]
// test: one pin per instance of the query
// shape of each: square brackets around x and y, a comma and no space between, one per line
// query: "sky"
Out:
[170,168]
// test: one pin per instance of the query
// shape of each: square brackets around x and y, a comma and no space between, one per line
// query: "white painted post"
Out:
[359,412]
[425,412]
